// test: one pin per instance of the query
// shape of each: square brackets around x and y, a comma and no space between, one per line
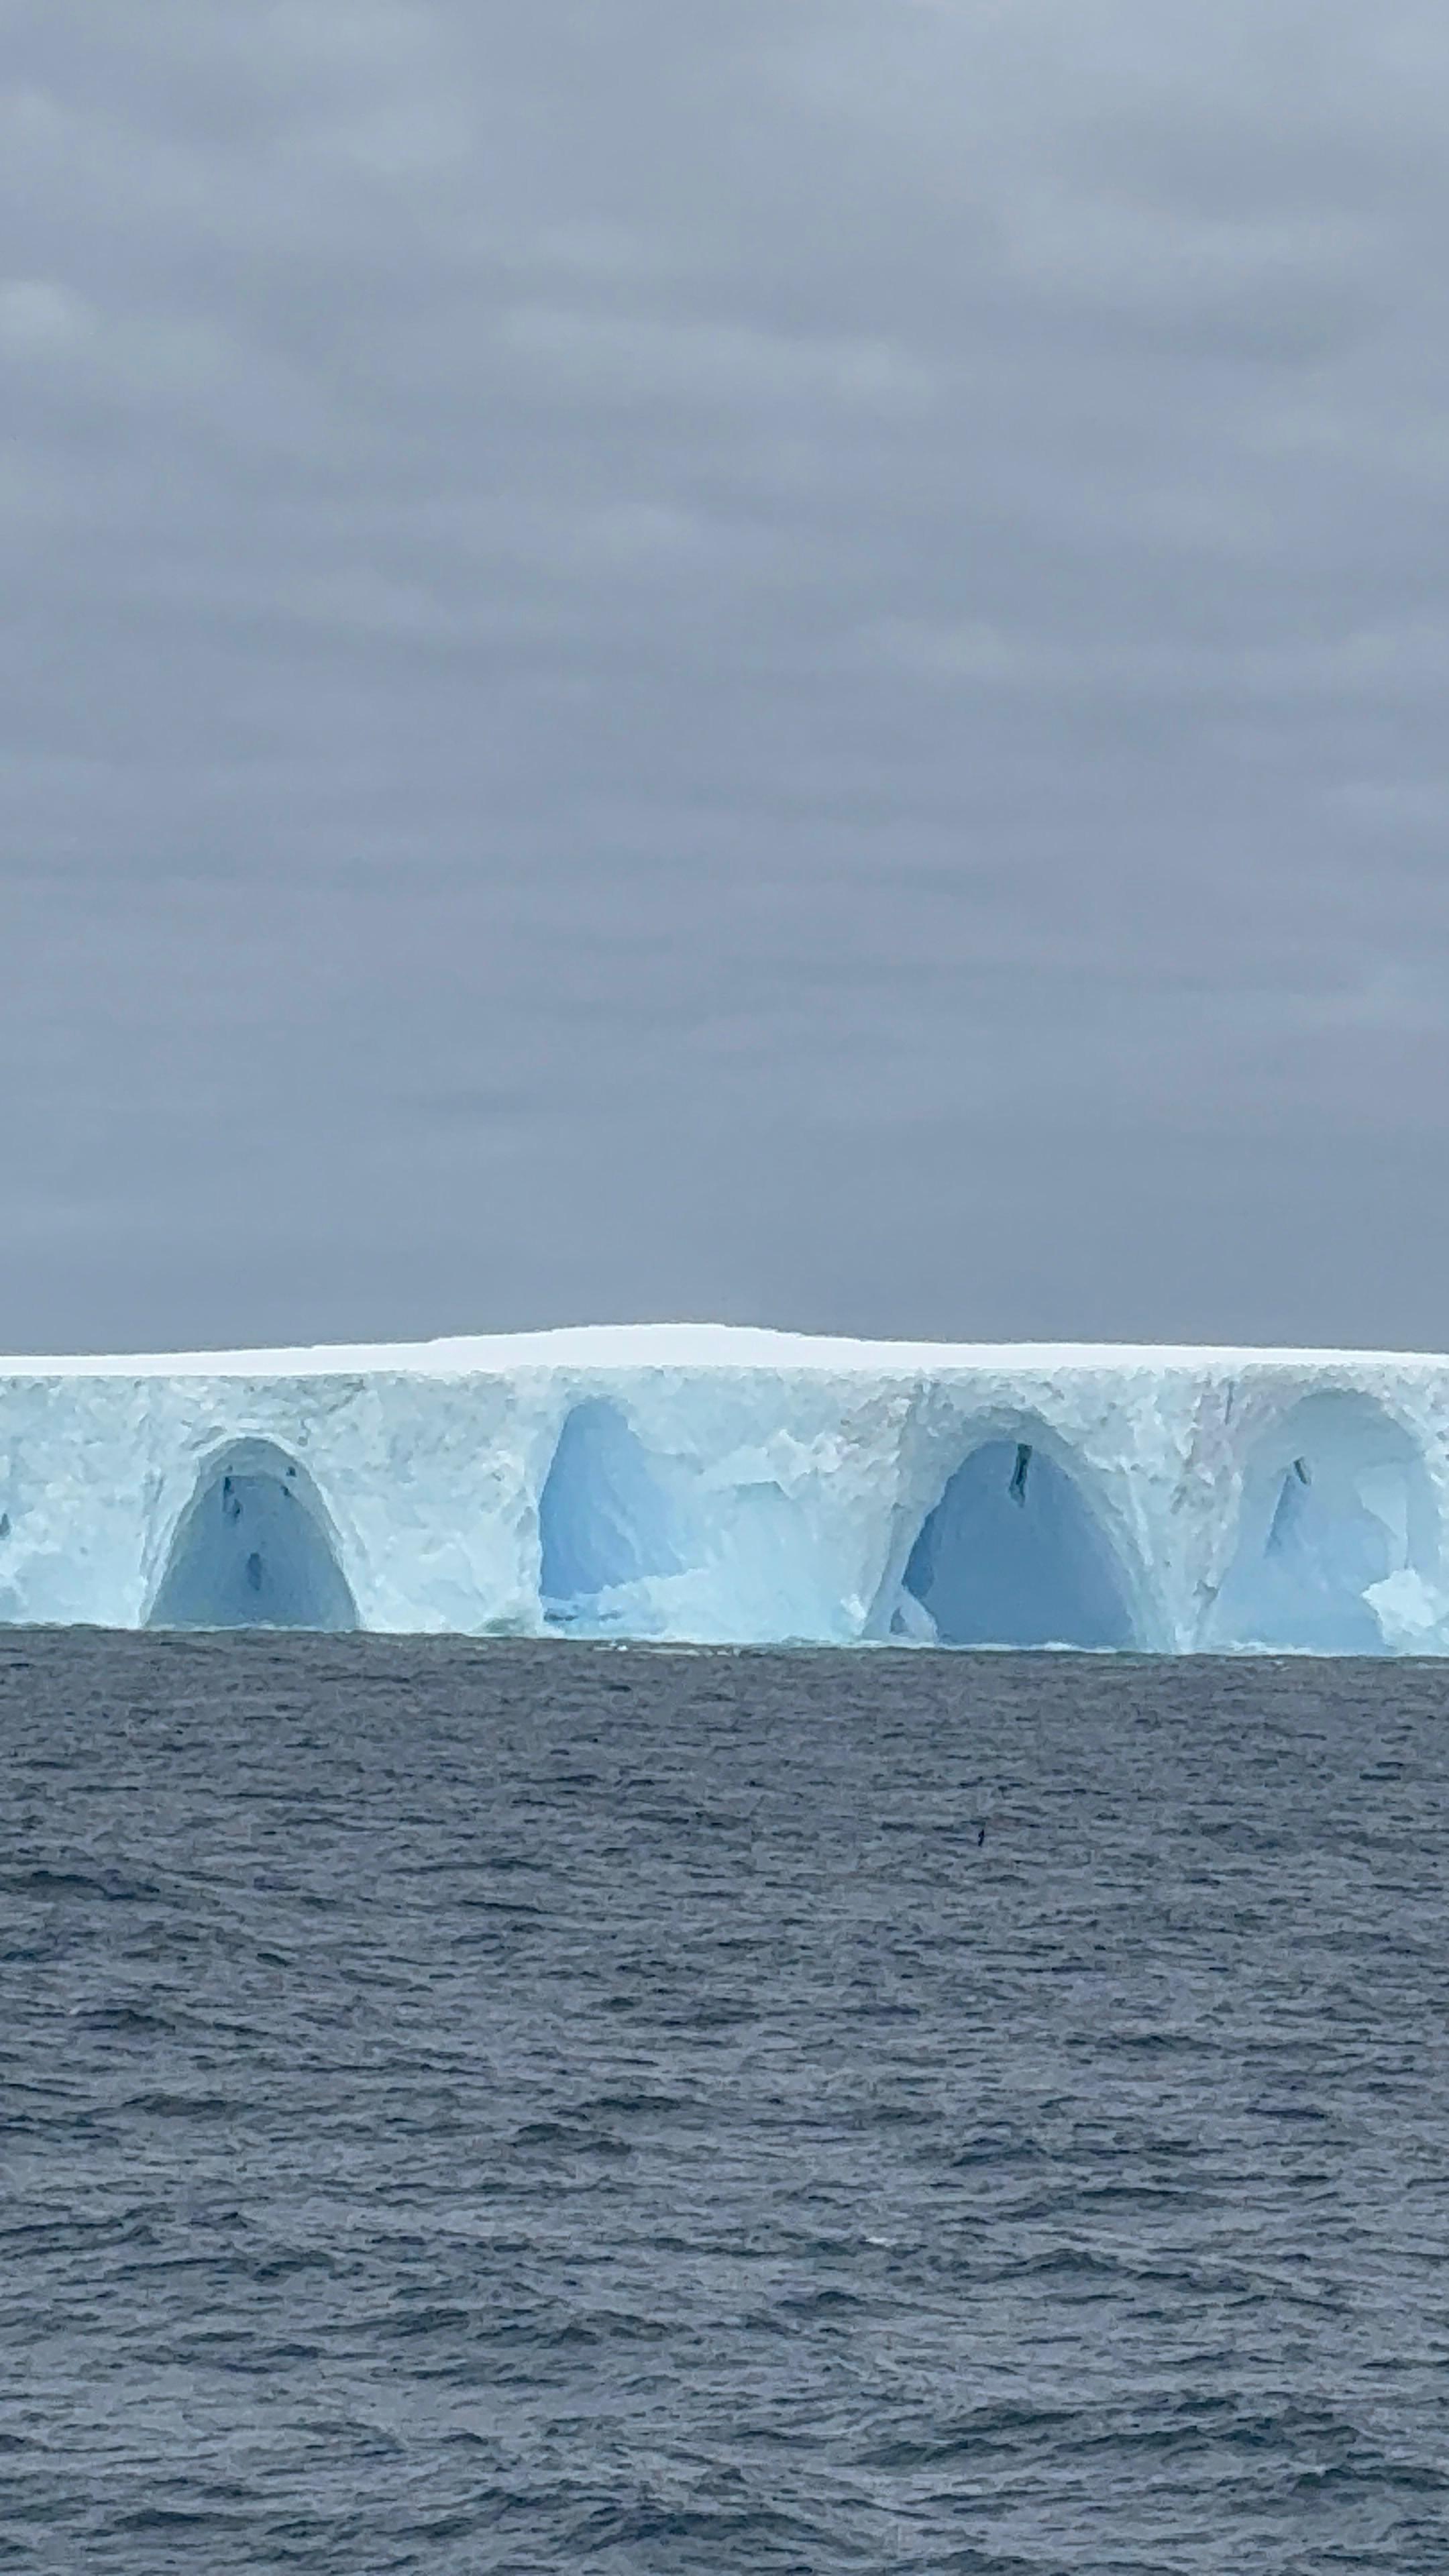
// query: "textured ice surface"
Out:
[714,1484]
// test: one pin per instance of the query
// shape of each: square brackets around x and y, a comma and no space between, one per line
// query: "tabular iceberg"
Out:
[711,1484]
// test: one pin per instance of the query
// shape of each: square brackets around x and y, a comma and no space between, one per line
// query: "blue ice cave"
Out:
[1013,1555]
[1336,1501]
[254,1549]
[604,1521]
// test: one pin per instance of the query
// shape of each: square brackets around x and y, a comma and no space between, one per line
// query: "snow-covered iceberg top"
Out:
[713,1483]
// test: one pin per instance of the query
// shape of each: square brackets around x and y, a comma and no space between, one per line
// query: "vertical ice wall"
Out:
[722,1486]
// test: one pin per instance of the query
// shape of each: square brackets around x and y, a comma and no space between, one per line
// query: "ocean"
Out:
[523,2107]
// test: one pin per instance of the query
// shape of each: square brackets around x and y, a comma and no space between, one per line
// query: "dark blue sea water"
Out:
[536,2107]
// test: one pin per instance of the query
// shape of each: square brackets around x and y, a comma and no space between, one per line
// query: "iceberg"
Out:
[720,1485]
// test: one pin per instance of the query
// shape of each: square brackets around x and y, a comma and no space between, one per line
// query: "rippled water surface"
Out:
[538,2107]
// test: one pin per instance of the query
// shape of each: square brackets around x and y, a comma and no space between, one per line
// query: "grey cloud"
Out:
[764,661]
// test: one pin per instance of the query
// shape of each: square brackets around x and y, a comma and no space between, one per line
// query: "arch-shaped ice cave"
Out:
[254,1548]
[1337,1545]
[1013,1555]
[604,1524]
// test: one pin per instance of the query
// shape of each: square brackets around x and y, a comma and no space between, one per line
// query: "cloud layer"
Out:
[784,661]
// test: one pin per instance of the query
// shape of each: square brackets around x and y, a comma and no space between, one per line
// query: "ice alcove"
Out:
[1013,1555]
[254,1548]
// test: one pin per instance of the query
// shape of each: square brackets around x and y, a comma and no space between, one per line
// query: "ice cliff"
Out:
[717,1485]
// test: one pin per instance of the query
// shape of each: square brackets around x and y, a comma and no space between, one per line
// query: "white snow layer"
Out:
[716,1485]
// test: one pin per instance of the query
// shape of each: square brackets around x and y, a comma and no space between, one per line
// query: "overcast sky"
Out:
[774,659]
